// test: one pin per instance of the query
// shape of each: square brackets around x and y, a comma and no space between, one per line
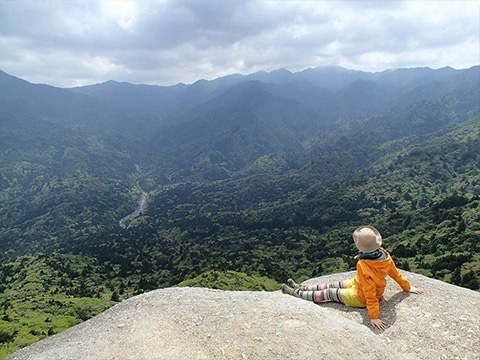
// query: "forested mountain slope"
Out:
[58,185]
[302,218]
[34,102]
[236,132]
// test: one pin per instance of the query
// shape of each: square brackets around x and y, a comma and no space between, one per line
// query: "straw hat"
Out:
[367,238]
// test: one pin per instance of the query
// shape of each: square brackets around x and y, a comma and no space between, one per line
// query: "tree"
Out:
[461,226]
[115,297]
[6,336]
[406,265]
[456,278]
[319,269]
[469,280]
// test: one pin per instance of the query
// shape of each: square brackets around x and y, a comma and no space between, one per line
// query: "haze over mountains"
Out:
[324,89]
[265,174]
[334,92]
[214,120]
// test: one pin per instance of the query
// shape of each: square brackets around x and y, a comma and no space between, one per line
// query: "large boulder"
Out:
[198,323]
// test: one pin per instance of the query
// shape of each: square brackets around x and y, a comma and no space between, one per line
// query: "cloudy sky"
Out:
[70,43]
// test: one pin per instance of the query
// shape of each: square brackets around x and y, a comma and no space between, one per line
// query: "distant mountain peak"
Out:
[281,70]
[5,75]
[111,82]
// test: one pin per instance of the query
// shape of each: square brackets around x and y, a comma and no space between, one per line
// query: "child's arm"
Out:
[396,275]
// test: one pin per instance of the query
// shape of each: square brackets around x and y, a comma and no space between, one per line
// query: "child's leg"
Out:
[336,284]
[318,296]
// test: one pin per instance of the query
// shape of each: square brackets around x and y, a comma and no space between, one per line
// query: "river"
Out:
[142,205]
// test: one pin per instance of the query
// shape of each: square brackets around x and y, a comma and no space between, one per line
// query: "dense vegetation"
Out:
[57,186]
[255,185]
[43,295]
[231,280]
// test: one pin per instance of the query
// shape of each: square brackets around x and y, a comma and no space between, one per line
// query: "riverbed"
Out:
[142,206]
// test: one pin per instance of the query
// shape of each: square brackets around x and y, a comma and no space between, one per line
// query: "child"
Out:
[367,287]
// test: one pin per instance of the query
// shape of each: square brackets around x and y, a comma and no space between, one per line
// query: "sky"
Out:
[74,43]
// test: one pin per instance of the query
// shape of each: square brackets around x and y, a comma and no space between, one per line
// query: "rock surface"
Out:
[443,323]
[197,323]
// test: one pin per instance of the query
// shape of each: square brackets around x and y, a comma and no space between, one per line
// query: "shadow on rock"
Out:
[387,310]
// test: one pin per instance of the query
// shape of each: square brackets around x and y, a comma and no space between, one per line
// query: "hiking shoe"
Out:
[287,289]
[293,284]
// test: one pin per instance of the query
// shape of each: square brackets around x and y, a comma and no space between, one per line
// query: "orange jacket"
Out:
[370,282]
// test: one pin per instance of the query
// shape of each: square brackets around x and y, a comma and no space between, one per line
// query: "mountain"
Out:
[243,125]
[332,78]
[425,117]
[26,100]
[465,79]
[363,98]
[81,112]
[147,102]
[413,78]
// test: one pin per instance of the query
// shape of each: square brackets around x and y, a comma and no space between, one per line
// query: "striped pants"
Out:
[338,291]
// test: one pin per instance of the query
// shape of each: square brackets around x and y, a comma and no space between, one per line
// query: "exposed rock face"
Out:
[196,323]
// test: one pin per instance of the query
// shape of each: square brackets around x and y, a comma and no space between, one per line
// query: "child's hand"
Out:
[378,323]
[415,290]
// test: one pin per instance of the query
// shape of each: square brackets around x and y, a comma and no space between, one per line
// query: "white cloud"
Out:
[165,42]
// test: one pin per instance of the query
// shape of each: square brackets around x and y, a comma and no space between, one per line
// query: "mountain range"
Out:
[264,174]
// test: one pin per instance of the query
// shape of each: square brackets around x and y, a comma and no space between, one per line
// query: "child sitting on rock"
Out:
[366,289]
